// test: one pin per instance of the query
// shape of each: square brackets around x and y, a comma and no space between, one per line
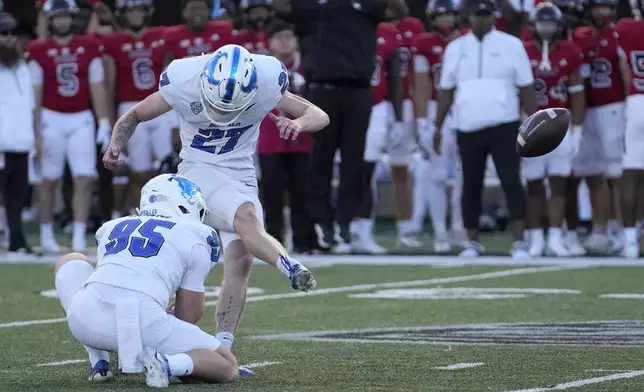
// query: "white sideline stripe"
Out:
[259,364]
[321,261]
[410,283]
[458,366]
[622,296]
[608,370]
[363,287]
[587,381]
[32,322]
[61,363]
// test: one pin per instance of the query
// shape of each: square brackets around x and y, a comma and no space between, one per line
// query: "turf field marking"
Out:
[259,364]
[362,287]
[32,322]
[587,381]
[460,293]
[608,370]
[411,283]
[321,261]
[459,366]
[61,363]
[622,296]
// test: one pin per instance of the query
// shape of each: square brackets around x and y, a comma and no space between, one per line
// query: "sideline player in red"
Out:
[558,83]
[256,12]
[400,174]
[199,35]
[631,41]
[386,87]
[133,62]
[433,171]
[66,72]
[602,145]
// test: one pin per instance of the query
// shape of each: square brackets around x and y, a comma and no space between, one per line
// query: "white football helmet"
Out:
[228,84]
[173,196]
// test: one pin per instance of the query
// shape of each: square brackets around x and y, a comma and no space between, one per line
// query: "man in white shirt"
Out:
[481,73]
[16,131]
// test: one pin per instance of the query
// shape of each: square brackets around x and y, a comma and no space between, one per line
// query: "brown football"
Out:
[542,132]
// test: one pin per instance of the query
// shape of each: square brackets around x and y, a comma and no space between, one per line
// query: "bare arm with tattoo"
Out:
[146,110]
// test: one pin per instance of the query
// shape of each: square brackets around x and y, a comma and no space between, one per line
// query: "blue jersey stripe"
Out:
[232,78]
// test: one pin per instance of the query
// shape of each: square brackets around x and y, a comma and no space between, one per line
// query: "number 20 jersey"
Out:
[231,146]
[153,255]
[138,63]
[552,86]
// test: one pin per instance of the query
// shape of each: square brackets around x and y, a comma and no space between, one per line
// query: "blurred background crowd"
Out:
[68,69]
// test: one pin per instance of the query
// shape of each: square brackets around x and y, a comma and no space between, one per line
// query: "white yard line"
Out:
[587,381]
[363,287]
[622,296]
[32,322]
[459,366]
[61,363]
[259,364]
[411,283]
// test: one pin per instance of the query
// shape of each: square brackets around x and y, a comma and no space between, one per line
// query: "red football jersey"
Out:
[631,40]
[601,53]
[408,27]
[138,63]
[254,42]
[389,40]
[182,43]
[552,86]
[269,141]
[65,71]
[431,46]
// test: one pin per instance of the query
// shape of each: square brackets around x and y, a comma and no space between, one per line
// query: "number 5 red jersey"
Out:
[138,63]
[65,71]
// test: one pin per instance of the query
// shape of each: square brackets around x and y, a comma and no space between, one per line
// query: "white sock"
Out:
[180,365]
[96,355]
[438,205]
[46,231]
[554,235]
[226,339]
[285,264]
[420,196]
[630,233]
[613,226]
[79,229]
[3,219]
[536,236]
[405,227]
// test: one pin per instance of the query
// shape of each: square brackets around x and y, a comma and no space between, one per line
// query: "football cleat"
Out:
[158,370]
[101,372]
[245,372]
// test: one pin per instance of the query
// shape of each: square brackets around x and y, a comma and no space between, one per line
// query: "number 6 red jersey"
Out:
[138,63]
[65,71]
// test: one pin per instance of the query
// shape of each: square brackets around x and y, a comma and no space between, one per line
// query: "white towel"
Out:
[128,330]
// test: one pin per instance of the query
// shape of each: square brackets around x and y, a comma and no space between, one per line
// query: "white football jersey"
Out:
[155,255]
[228,147]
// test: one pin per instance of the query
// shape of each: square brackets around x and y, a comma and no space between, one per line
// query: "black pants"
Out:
[349,109]
[14,185]
[282,172]
[474,147]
